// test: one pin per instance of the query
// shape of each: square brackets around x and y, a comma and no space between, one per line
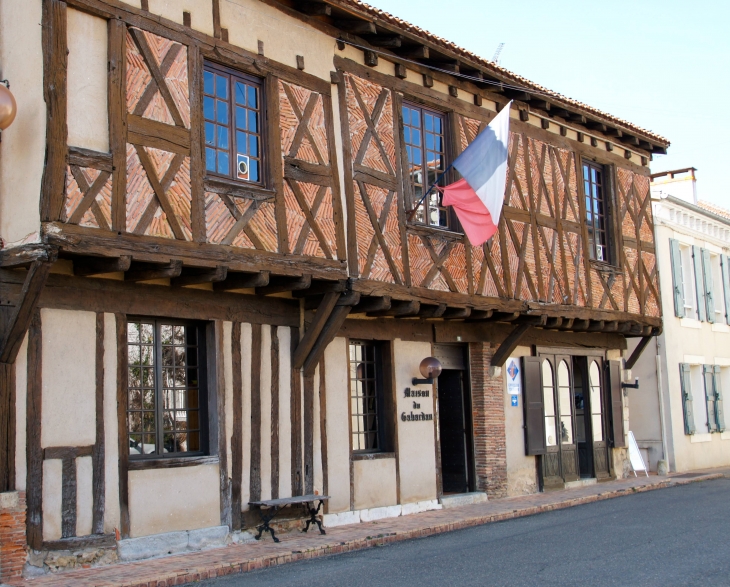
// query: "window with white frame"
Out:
[697,382]
[718,293]
[688,282]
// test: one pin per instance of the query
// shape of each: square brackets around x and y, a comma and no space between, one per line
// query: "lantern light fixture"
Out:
[8,106]
[430,368]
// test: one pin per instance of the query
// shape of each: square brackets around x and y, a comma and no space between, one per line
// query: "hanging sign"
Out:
[514,380]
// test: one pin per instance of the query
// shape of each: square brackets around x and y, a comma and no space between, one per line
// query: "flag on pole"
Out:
[477,198]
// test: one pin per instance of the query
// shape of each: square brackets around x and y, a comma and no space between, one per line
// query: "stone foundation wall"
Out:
[13,550]
[490,441]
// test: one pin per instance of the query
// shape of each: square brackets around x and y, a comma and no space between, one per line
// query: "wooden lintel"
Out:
[373,305]
[326,306]
[242,281]
[643,343]
[282,284]
[25,255]
[322,287]
[85,266]
[21,316]
[198,276]
[399,309]
[148,271]
[509,345]
[430,311]
[330,330]
[357,27]
[457,313]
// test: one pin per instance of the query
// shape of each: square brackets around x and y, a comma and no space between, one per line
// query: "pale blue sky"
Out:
[661,64]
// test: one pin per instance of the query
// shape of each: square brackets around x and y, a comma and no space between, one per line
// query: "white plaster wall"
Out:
[21,406]
[88,118]
[521,469]
[228,375]
[22,150]
[250,21]
[170,500]
[111,427]
[284,334]
[246,408]
[338,431]
[416,445]
[265,412]
[375,484]
[84,496]
[317,437]
[69,378]
[201,12]
[52,480]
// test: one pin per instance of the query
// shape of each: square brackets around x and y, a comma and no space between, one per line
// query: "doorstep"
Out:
[581,483]
[241,558]
[459,499]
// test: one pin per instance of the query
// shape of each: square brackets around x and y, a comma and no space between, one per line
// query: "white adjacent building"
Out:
[684,371]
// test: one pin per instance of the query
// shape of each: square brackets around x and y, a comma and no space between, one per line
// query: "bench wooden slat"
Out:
[289,500]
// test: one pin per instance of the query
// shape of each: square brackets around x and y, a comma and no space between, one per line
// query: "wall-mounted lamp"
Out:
[8,107]
[634,385]
[430,368]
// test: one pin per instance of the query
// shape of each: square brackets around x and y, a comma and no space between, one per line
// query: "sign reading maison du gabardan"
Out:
[413,415]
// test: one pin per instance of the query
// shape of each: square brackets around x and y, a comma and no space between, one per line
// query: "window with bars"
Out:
[424,133]
[596,194]
[366,397]
[166,413]
[232,113]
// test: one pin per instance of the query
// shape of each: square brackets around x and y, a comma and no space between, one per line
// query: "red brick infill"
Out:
[182,569]
[13,552]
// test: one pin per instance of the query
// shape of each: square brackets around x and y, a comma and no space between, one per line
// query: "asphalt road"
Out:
[667,537]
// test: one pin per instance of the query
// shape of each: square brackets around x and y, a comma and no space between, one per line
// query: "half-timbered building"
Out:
[215,288]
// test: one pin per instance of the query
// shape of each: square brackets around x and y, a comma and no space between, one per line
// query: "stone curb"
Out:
[210,572]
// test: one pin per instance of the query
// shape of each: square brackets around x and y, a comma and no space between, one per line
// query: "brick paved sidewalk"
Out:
[181,569]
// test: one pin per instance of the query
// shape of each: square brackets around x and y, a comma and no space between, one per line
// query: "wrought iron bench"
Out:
[270,507]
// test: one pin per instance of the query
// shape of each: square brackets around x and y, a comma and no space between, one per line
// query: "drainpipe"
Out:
[661,412]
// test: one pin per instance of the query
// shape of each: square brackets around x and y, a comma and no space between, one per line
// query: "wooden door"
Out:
[453,431]
[550,469]
[582,417]
[597,428]
[565,409]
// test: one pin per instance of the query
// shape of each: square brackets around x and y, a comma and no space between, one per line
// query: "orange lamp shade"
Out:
[8,107]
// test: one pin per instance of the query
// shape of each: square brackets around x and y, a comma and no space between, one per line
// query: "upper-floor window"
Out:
[689,284]
[596,211]
[166,391]
[232,111]
[424,133]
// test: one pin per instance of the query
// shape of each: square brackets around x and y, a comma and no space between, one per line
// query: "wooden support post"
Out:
[326,306]
[334,323]
[509,344]
[643,343]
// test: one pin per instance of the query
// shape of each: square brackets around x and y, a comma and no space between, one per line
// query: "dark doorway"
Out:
[455,431]
[582,417]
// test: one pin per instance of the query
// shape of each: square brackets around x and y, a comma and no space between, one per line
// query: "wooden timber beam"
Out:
[322,287]
[85,266]
[506,316]
[580,325]
[25,255]
[596,326]
[643,343]
[373,304]
[351,298]
[457,313]
[357,27]
[198,276]
[554,322]
[326,306]
[431,311]
[148,271]
[388,42]
[509,345]
[21,316]
[282,284]
[315,8]
[399,309]
[415,52]
[478,315]
[242,281]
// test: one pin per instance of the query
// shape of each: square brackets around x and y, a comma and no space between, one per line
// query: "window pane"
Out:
[221,87]
[209,108]
[253,170]
[223,163]
[253,101]
[209,159]
[240,94]
[406,115]
[550,431]
[222,112]
[253,145]
[223,137]
[210,133]
[253,121]
[209,82]
[241,143]
[240,118]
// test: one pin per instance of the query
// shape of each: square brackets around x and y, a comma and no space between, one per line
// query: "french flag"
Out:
[477,198]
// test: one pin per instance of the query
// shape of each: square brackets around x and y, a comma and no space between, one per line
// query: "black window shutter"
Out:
[617,412]
[709,286]
[719,415]
[699,284]
[709,376]
[725,261]
[676,256]
[532,407]
[689,417]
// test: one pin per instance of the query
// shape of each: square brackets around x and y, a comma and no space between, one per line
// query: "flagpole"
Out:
[438,179]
